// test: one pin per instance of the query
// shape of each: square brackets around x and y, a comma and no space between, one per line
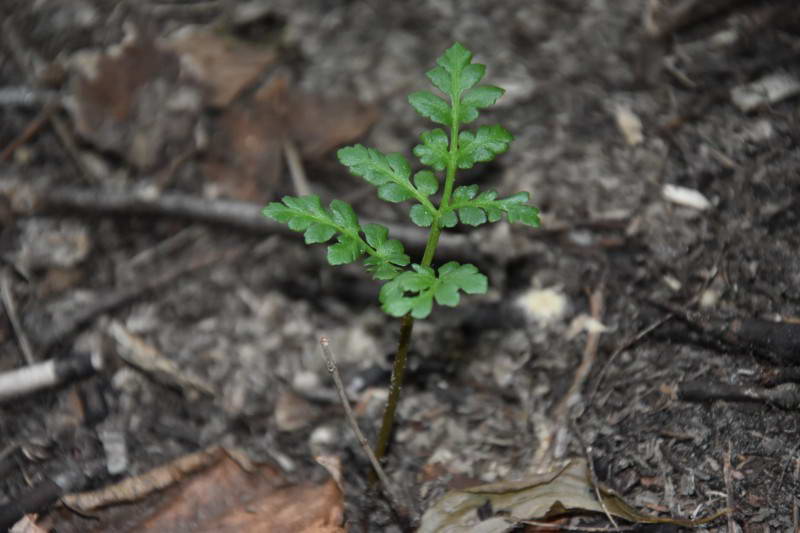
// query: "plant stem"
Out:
[395,385]
[407,322]
[399,367]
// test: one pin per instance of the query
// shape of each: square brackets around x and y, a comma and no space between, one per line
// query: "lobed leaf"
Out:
[449,219]
[347,250]
[390,173]
[433,150]
[306,214]
[477,98]
[482,146]
[393,192]
[415,291]
[517,210]
[431,106]
[302,213]
[375,167]
[483,96]
[344,216]
[456,77]
[440,79]
[455,59]
[389,253]
[421,216]
[426,183]
[475,209]
[470,75]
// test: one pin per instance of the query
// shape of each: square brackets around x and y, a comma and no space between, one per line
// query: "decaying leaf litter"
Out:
[695,207]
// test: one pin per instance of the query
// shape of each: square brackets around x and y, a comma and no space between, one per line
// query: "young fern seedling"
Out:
[410,289]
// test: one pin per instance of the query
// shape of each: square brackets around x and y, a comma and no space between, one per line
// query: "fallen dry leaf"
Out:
[131,100]
[246,151]
[221,498]
[540,497]
[225,64]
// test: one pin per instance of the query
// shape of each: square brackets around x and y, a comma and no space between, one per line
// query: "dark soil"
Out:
[486,379]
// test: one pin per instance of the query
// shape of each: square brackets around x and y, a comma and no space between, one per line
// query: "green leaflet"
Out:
[421,216]
[389,172]
[431,106]
[425,287]
[483,145]
[389,253]
[456,77]
[475,209]
[426,182]
[433,150]
[306,213]
[375,167]
[478,98]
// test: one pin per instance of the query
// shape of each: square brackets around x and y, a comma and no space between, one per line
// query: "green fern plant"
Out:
[410,289]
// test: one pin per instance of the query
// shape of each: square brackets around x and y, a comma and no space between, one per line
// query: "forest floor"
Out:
[650,325]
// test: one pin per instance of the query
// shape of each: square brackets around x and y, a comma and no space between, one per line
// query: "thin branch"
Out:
[587,450]
[623,348]
[138,487]
[33,127]
[13,317]
[296,170]
[245,215]
[401,508]
[728,475]
[573,395]
[233,213]
[147,358]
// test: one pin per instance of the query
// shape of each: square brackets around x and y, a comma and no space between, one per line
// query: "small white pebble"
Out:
[543,305]
[685,197]
[629,124]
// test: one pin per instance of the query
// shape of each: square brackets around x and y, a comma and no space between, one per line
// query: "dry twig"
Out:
[561,414]
[244,215]
[629,343]
[296,170]
[587,450]
[401,508]
[13,317]
[728,474]
[146,357]
[137,487]
[33,127]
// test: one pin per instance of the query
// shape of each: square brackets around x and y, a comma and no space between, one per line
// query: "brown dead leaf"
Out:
[224,64]
[131,100]
[222,498]
[299,509]
[320,124]
[246,151]
[539,497]
[228,499]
